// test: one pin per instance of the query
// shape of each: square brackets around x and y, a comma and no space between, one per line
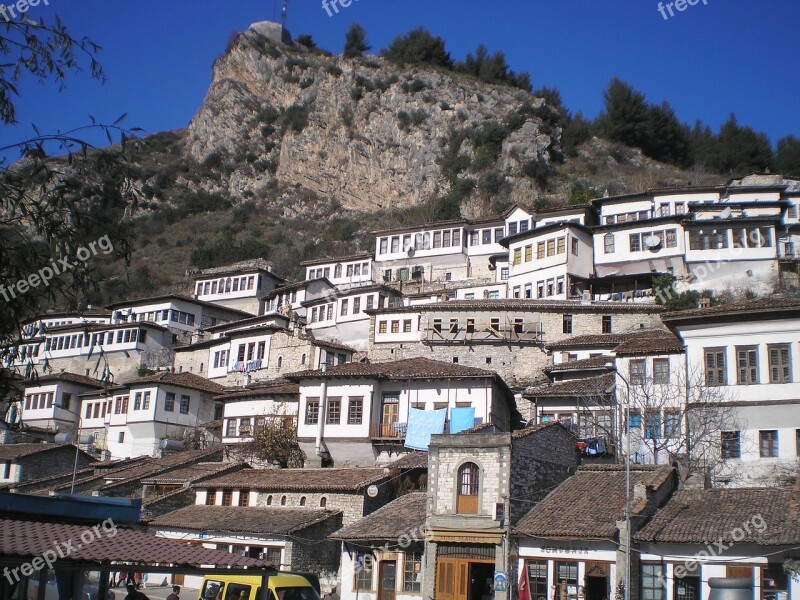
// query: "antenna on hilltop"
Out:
[284,11]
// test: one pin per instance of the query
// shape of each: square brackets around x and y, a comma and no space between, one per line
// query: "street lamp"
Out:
[612,367]
[67,438]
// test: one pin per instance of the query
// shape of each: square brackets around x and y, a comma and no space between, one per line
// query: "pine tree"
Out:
[355,41]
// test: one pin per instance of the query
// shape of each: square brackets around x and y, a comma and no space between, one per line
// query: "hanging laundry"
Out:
[421,425]
[461,419]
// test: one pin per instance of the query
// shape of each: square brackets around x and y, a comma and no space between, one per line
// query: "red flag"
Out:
[524,592]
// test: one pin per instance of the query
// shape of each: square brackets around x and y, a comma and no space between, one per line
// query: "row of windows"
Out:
[352,270]
[447,238]
[638,372]
[97,410]
[223,286]
[544,289]
[79,340]
[37,401]
[141,401]
[227,497]
[281,299]
[544,248]
[156,316]
[768,446]
[364,569]
[484,236]
[489,294]
[221,358]
[251,351]
[517,325]
[245,424]
[748,237]
[121,403]
[639,215]
[333,415]
[395,326]
[779,361]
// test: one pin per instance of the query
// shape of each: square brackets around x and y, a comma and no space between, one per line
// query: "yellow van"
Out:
[282,586]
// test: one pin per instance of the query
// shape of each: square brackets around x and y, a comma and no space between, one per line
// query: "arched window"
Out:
[302,501]
[280,361]
[337,271]
[269,500]
[283,500]
[468,487]
[323,502]
[608,243]
[303,359]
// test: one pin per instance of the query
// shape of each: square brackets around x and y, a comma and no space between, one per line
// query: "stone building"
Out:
[507,336]
[20,463]
[481,484]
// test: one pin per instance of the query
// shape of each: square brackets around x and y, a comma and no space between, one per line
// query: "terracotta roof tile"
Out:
[275,387]
[186,380]
[664,343]
[594,340]
[192,473]
[15,451]
[412,460]
[404,516]
[274,520]
[588,386]
[586,364]
[555,306]
[299,480]
[32,538]
[707,516]
[588,504]
[66,377]
[769,305]
[410,368]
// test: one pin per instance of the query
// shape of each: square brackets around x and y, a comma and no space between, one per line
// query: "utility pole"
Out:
[284,11]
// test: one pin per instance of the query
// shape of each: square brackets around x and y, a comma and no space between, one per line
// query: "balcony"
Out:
[393,431]
[524,333]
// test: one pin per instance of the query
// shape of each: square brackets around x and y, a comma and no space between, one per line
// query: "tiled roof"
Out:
[765,516]
[159,465]
[588,504]
[242,266]
[15,451]
[400,517]
[32,538]
[180,297]
[521,433]
[556,306]
[663,343]
[268,520]
[586,364]
[410,368]
[334,259]
[192,473]
[186,380]
[334,345]
[412,460]
[66,377]
[587,386]
[276,387]
[299,480]
[768,305]
[592,340]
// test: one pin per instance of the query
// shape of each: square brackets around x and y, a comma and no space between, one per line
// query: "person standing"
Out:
[176,591]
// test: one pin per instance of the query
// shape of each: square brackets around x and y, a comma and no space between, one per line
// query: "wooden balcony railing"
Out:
[393,431]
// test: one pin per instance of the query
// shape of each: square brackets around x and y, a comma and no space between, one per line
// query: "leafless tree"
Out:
[272,442]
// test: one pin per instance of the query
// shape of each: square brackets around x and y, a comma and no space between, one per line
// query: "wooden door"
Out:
[452,579]
[390,414]
[387,580]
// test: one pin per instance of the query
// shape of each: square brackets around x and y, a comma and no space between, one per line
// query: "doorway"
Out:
[387,580]
[481,581]
[464,579]
[390,415]
[596,588]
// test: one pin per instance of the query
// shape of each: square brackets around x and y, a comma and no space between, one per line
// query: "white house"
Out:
[747,354]
[343,271]
[358,413]
[242,286]
[152,409]
[53,401]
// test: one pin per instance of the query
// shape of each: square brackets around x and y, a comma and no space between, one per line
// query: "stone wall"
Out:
[320,555]
[539,462]
[352,505]
[53,462]
[161,505]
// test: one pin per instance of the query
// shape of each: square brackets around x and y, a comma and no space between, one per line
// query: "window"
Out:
[355,411]
[606,324]
[356,305]
[499,233]
[512,228]
[453,325]
[517,256]
[384,246]
[561,245]
[244,498]
[551,247]
[312,411]
[468,487]
[672,423]
[653,587]
[638,373]
[269,500]
[333,414]
[503,273]
[323,502]
[66,400]
[487,236]
[715,366]
[672,238]
[395,244]
[137,401]
[364,565]
[780,363]
[768,443]
[395,326]
[185,400]
[6,469]
[494,324]
[537,579]
[227,497]
[661,370]
[540,250]
[406,325]
[262,348]
[567,578]
[470,325]
[635,242]
[230,428]
[343,311]
[730,444]
[211,497]
[567,324]
[146,401]
[437,325]
[412,572]
[121,437]
[652,424]
[381,326]
[747,365]
[283,500]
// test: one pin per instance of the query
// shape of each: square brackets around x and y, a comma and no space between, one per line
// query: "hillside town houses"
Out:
[477,408]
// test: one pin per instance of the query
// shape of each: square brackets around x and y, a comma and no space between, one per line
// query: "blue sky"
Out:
[726,56]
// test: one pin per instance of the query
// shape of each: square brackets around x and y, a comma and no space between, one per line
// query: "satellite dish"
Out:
[726,213]
[372,491]
[410,251]
[652,241]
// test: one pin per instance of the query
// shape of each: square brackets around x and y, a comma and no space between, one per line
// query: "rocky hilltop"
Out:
[362,132]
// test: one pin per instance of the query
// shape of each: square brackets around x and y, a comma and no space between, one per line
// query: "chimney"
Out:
[705,302]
